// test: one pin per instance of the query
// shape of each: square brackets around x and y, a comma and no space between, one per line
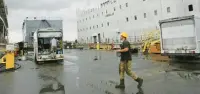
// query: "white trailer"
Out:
[180,37]
[42,45]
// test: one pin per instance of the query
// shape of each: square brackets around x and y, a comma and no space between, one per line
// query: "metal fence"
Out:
[131,39]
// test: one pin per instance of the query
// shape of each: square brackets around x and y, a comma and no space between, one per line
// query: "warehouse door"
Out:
[95,39]
[99,38]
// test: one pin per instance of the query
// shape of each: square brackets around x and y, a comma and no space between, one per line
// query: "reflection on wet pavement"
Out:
[156,57]
[49,82]
[56,88]
[79,74]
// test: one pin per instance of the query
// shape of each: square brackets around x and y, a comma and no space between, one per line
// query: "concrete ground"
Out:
[80,74]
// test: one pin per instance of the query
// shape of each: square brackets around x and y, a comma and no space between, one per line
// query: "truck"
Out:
[31,24]
[42,45]
[180,36]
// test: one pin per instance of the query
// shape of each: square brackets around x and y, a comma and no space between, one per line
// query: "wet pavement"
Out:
[81,74]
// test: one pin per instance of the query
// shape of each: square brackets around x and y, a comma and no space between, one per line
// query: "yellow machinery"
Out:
[154,47]
[98,46]
[151,44]
[8,58]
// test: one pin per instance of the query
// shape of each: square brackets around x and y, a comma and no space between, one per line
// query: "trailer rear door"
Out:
[178,34]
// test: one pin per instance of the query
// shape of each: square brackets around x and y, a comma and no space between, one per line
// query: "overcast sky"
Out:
[18,10]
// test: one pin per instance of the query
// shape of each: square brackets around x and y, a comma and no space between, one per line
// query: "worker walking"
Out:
[125,62]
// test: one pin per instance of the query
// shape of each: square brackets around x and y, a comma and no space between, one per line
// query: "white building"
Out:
[133,16]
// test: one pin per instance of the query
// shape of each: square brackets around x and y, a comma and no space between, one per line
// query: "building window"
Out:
[190,7]
[143,0]
[135,17]
[101,25]
[86,19]
[127,19]
[106,11]
[126,4]
[90,28]
[93,16]
[155,12]
[108,23]
[120,6]
[114,9]
[168,10]
[145,15]
[93,27]
[97,26]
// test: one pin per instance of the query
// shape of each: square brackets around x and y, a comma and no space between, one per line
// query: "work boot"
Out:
[121,85]
[140,82]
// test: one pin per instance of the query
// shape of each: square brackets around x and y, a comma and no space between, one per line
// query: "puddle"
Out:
[73,69]
[70,67]
[69,57]
[189,75]
[67,63]
[34,68]
[44,77]
[187,71]
[51,85]
[185,74]
[106,91]
[108,87]
[155,57]
[113,82]
[55,88]
[173,70]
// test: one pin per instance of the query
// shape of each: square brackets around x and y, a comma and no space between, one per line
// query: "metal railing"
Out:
[131,39]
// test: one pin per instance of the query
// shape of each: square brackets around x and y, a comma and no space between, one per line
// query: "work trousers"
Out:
[126,66]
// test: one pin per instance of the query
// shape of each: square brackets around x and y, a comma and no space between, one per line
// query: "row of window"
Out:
[103,4]
[190,8]
[85,19]
[93,27]
[127,19]
[145,15]
[107,2]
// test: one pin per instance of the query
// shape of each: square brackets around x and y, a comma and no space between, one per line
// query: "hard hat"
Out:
[124,34]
